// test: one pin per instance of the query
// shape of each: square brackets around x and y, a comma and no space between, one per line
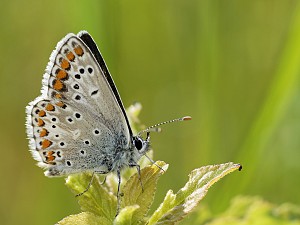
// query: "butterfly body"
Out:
[79,124]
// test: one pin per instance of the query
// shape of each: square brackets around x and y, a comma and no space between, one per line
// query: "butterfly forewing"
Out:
[88,40]
[77,123]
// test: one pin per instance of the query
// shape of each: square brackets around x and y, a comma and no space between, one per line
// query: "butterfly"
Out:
[78,123]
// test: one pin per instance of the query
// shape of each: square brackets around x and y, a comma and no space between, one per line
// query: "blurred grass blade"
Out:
[280,92]
[176,206]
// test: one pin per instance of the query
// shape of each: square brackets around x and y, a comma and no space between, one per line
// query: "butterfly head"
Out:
[141,145]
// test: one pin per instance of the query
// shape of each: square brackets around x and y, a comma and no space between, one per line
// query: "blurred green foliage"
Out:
[253,211]
[231,65]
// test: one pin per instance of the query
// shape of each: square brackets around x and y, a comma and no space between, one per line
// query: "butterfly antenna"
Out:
[156,127]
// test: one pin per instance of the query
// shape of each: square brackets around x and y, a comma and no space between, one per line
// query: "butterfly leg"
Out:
[152,161]
[138,168]
[88,187]
[118,192]
[91,181]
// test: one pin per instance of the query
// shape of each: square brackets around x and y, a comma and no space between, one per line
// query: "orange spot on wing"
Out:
[40,122]
[42,113]
[46,143]
[65,64]
[61,74]
[43,132]
[58,96]
[58,85]
[60,104]
[49,107]
[50,157]
[70,56]
[78,50]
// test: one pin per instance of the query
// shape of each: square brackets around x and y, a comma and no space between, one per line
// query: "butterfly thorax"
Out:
[129,157]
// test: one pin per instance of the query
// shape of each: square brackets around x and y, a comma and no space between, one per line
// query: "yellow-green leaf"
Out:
[125,216]
[133,194]
[176,206]
[97,200]
[83,219]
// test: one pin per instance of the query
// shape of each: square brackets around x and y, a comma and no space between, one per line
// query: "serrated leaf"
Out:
[83,219]
[175,207]
[133,194]
[126,215]
[97,200]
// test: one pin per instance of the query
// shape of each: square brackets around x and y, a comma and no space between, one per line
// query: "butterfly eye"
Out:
[138,143]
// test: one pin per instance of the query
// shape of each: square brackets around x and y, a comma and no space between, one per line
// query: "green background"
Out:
[231,65]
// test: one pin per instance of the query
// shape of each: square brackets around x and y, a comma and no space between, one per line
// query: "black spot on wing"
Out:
[94,92]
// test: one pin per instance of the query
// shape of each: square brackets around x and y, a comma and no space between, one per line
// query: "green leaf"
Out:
[83,219]
[97,200]
[176,206]
[133,194]
[126,215]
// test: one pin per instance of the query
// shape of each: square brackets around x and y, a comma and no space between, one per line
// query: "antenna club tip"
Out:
[186,118]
